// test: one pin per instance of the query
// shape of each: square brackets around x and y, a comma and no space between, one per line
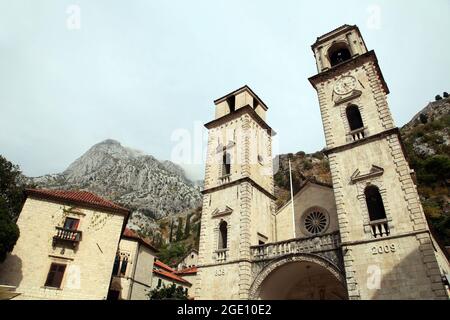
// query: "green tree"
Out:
[171,253]
[10,189]
[11,198]
[171,231]
[434,170]
[187,228]
[171,292]
[9,232]
[179,234]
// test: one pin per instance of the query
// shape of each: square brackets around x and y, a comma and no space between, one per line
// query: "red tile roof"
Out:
[77,197]
[164,270]
[171,276]
[128,233]
[191,270]
[164,266]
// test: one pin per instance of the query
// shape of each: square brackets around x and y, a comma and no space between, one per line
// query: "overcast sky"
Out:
[138,71]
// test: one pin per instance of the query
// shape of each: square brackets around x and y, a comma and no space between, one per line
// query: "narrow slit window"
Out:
[231,103]
[123,267]
[226,164]
[223,235]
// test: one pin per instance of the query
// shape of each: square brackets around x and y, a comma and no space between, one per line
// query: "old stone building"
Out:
[189,260]
[132,273]
[364,237]
[67,245]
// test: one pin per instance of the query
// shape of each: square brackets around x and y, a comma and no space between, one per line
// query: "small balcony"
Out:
[221,255]
[225,179]
[379,228]
[67,235]
[357,134]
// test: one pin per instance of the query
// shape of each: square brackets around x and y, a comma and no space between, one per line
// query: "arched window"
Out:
[339,53]
[354,117]
[226,164]
[374,203]
[223,235]
[123,267]
[116,265]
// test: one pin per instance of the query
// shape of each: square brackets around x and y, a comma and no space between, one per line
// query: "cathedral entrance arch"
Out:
[299,277]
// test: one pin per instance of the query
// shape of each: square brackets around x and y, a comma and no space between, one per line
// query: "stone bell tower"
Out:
[238,200]
[387,247]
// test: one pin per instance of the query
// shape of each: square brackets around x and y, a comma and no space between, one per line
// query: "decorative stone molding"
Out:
[222,211]
[375,171]
[221,148]
[216,235]
[361,186]
[305,214]
[351,97]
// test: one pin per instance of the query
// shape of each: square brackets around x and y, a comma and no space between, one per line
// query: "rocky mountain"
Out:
[427,142]
[313,167]
[151,188]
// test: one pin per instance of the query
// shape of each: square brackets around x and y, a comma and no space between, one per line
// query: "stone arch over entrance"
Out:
[299,276]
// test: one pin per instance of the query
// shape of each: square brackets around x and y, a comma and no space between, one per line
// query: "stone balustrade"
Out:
[325,242]
[380,228]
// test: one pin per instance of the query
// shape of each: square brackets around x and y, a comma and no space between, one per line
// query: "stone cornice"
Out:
[239,181]
[345,66]
[335,33]
[247,109]
[396,236]
[368,139]
[244,88]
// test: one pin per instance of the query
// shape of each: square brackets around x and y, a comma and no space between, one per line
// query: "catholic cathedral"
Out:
[363,237]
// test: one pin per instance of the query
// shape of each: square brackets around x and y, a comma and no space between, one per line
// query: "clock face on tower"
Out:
[344,85]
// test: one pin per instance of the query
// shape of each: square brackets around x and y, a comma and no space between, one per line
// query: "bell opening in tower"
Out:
[339,53]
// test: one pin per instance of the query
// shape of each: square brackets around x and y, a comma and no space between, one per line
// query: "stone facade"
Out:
[367,235]
[88,264]
[135,280]
[241,199]
[401,263]
[310,197]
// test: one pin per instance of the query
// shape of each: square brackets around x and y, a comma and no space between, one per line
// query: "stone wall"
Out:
[89,266]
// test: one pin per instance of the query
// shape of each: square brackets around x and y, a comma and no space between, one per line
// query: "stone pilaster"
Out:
[325,114]
[244,241]
[379,95]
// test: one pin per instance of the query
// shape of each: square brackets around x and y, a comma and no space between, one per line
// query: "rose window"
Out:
[316,222]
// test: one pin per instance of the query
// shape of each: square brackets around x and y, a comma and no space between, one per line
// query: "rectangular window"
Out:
[159,283]
[71,224]
[55,275]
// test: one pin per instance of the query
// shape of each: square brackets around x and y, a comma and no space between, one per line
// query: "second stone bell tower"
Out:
[238,200]
[387,247]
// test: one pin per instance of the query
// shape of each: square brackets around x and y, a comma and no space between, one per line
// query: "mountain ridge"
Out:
[127,176]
